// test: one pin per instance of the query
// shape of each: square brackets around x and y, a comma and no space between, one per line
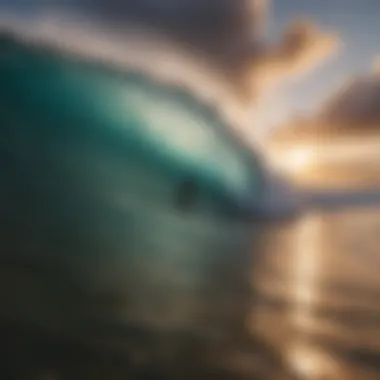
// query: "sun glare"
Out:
[295,160]
[300,159]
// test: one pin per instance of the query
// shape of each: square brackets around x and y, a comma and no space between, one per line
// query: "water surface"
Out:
[319,295]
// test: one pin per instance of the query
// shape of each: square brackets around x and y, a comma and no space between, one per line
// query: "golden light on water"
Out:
[304,274]
[303,361]
[305,267]
[313,364]
[306,359]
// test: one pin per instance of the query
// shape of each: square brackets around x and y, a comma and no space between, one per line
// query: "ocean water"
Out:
[319,295]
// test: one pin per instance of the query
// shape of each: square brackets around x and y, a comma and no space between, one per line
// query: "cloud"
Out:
[352,110]
[230,32]
[302,48]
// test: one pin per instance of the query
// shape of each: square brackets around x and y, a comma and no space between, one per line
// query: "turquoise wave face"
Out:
[124,189]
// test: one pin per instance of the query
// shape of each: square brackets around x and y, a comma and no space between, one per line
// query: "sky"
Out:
[357,24]
[341,98]
[354,22]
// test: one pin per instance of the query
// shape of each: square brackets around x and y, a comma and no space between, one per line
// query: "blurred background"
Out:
[320,288]
[317,117]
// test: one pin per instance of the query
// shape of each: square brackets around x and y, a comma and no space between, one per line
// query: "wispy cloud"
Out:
[229,31]
[302,48]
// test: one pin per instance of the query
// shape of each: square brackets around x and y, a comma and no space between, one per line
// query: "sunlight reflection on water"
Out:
[320,295]
[305,266]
